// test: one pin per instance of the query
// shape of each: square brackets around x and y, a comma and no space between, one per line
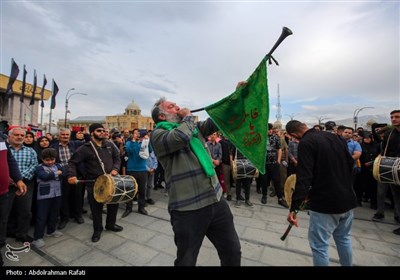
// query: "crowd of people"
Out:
[196,164]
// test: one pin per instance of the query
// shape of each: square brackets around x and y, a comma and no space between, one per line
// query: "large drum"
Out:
[387,170]
[289,187]
[243,168]
[114,189]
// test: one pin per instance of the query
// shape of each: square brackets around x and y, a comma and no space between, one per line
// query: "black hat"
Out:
[114,130]
[116,135]
[367,134]
[95,126]
[330,124]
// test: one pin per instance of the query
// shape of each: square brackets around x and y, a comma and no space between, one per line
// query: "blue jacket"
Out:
[135,162]
[49,183]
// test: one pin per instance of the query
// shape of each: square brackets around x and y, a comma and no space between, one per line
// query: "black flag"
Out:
[21,98]
[34,88]
[42,91]
[13,77]
[53,96]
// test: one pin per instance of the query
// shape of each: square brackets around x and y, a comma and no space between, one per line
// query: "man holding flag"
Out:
[195,203]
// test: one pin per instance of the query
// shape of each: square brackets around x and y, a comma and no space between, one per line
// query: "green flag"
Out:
[243,117]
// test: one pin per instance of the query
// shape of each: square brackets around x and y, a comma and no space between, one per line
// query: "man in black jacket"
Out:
[324,175]
[391,148]
[110,164]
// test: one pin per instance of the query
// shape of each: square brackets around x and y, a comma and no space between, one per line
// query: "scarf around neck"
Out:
[196,146]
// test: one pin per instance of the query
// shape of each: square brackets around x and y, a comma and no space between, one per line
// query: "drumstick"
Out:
[85,181]
[283,237]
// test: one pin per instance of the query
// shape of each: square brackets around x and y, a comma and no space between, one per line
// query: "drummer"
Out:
[98,157]
[391,148]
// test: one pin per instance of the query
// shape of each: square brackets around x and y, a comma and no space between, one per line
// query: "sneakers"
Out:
[38,243]
[56,234]
[248,203]
[283,203]
[397,231]
[237,203]
[378,217]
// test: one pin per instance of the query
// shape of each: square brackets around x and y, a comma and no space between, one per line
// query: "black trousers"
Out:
[214,221]
[141,180]
[3,218]
[19,210]
[272,173]
[245,185]
[71,200]
[97,208]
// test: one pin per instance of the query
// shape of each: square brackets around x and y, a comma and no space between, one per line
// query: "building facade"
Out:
[130,119]
[20,113]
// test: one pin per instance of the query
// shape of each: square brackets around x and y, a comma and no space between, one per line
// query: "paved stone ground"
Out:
[148,240]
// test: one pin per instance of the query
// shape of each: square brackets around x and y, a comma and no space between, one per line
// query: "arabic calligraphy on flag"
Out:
[243,117]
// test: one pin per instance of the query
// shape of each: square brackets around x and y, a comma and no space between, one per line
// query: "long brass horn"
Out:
[285,32]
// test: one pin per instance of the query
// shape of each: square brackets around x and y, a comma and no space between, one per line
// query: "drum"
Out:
[243,168]
[290,184]
[114,189]
[387,170]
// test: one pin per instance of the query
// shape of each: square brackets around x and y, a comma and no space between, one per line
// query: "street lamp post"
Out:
[66,107]
[67,97]
[355,115]
[320,119]
[291,116]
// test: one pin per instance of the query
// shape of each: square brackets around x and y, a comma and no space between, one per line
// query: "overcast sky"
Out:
[342,55]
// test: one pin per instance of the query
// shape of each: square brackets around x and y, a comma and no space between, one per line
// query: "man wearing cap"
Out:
[330,126]
[99,157]
[391,148]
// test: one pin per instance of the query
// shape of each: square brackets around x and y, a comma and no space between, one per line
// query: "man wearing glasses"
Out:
[98,157]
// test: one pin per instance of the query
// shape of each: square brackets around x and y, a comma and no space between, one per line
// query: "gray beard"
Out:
[172,118]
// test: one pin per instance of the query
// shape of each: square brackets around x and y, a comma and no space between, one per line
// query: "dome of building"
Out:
[277,125]
[132,106]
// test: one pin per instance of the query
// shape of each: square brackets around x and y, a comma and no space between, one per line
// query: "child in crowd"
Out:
[49,179]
